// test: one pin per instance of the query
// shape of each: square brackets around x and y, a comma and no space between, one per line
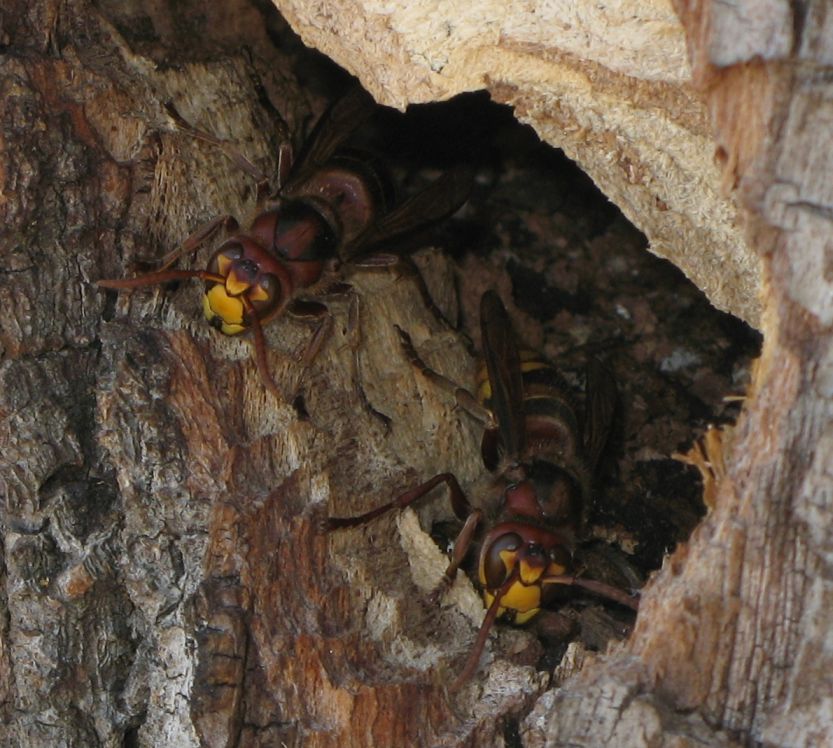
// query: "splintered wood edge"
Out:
[615,93]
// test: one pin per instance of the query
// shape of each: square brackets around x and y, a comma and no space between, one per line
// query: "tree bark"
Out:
[734,632]
[164,577]
[165,580]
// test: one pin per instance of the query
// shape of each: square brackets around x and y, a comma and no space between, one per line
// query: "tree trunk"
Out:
[165,578]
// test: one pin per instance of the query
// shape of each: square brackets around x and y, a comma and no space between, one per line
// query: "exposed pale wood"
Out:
[610,84]
[736,626]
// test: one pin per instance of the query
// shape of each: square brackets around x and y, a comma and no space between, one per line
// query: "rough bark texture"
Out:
[610,84]
[163,578]
[736,627]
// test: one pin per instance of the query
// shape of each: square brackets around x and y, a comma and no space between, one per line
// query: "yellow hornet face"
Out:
[227,306]
[522,601]
[223,311]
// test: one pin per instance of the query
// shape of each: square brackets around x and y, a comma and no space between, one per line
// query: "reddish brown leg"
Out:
[232,153]
[405,268]
[310,310]
[320,336]
[315,310]
[488,621]
[189,246]
[205,232]
[260,351]
[154,279]
[597,588]
[376,261]
[464,398]
[461,548]
[355,342]
[459,503]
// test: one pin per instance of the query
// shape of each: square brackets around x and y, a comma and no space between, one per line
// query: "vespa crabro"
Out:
[333,209]
[542,457]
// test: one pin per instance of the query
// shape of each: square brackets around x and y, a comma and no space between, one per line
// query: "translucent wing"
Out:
[600,405]
[437,201]
[503,364]
[336,125]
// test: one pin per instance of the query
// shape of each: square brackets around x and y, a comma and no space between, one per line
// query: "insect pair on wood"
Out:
[333,209]
[542,457]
